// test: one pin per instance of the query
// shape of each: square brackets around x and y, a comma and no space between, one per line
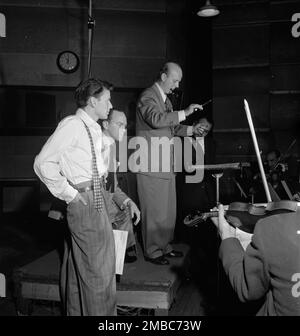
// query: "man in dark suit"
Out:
[121,209]
[156,120]
[269,267]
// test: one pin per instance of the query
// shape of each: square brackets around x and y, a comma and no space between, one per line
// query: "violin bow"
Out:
[261,168]
[286,153]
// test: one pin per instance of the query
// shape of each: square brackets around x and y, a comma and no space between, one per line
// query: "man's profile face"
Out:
[116,126]
[271,159]
[171,80]
[103,105]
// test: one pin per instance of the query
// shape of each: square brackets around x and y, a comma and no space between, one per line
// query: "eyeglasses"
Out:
[119,124]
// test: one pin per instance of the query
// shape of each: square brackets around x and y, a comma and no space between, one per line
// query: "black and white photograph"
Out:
[150,161]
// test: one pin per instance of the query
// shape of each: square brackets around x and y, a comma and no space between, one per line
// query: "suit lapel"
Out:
[159,97]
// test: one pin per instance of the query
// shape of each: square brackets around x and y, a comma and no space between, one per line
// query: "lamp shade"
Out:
[208,10]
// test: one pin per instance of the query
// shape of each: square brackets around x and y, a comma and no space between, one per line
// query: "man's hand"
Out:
[79,198]
[191,109]
[225,230]
[134,210]
[199,130]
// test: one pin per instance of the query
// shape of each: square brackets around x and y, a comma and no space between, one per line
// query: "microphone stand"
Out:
[91,25]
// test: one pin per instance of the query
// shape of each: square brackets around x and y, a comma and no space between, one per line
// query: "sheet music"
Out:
[120,248]
[2,285]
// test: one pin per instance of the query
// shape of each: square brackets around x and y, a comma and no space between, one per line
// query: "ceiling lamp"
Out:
[208,10]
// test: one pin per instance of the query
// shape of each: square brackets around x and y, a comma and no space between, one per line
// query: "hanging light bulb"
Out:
[208,10]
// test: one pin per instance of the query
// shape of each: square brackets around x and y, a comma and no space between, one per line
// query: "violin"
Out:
[243,215]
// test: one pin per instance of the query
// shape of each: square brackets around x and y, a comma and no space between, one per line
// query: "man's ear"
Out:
[92,101]
[163,76]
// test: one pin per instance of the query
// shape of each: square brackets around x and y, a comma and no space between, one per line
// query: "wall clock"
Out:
[67,61]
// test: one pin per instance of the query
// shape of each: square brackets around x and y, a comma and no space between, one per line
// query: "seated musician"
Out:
[121,209]
[279,178]
[268,269]
[280,171]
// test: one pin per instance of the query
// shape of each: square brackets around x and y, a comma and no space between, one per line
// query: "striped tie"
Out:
[98,197]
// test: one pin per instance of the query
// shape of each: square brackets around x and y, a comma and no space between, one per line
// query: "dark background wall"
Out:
[255,57]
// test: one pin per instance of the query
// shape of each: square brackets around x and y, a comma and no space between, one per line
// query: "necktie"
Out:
[168,104]
[98,197]
[110,181]
[169,108]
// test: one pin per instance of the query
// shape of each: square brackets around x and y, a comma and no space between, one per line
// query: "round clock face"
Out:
[68,61]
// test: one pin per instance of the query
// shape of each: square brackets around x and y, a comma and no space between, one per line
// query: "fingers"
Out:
[138,217]
[196,107]
[134,211]
[82,200]
[221,211]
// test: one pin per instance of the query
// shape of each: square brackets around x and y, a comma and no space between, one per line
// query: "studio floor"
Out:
[25,238]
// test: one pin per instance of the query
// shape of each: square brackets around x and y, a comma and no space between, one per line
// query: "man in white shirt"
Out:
[121,208]
[72,167]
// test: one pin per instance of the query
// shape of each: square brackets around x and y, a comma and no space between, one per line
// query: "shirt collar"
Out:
[86,118]
[107,139]
[163,95]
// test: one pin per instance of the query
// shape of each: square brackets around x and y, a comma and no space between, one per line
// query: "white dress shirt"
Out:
[66,156]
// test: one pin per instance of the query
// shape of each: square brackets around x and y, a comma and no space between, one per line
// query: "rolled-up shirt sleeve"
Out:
[48,163]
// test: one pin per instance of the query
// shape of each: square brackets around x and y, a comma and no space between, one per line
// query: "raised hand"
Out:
[192,108]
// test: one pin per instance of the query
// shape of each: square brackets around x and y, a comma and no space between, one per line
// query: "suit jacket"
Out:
[153,120]
[270,266]
[118,196]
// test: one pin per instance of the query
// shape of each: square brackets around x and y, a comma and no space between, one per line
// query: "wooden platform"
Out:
[142,284]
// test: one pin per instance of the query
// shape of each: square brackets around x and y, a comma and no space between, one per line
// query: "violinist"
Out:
[268,269]
[280,178]
[277,173]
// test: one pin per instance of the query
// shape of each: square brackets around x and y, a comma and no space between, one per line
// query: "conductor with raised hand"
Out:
[156,189]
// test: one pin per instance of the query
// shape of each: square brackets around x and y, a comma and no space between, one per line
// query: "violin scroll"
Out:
[196,218]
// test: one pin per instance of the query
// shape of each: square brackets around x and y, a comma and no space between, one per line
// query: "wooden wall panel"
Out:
[16,69]
[32,30]
[284,48]
[240,143]
[17,166]
[130,35]
[283,11]
[231,14]
[229,111]
[245,45]
[128,5]
[122,38]
[285,77]
[285,112]
[116,33]
[128,72]
[270,81]
[241,81]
